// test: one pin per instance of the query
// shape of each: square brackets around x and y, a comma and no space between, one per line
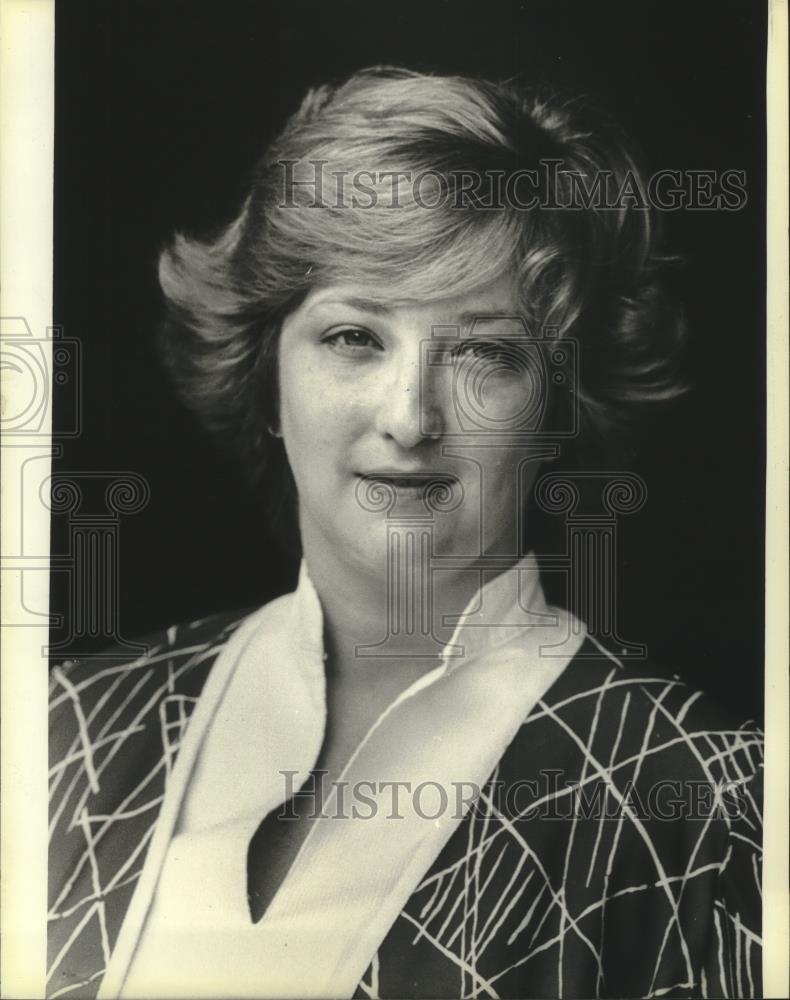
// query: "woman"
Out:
[412,776]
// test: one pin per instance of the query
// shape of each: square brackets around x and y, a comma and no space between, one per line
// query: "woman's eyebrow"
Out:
[355,302]
[492,313]
[464,319]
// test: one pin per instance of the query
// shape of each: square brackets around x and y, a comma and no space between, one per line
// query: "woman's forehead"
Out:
[497,298]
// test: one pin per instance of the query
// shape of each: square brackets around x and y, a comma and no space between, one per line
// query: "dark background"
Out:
[162,108]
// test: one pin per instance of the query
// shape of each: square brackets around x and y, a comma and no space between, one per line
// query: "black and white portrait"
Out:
[407,499]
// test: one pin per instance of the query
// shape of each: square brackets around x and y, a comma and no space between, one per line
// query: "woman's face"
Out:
[379,400]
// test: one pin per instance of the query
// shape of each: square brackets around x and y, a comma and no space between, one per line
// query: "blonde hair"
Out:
[592,272]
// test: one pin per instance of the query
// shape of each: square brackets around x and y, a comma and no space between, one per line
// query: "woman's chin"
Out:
[381,546]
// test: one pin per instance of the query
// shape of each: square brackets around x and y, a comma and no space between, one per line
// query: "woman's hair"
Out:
[424,187]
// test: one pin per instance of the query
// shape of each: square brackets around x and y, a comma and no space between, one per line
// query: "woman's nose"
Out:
[408,410]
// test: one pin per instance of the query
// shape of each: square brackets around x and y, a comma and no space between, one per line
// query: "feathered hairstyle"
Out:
[334,200]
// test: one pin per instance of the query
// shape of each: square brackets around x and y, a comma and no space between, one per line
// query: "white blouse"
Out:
[188,931]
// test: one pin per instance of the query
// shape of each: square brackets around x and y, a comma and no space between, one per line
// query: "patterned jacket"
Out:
[628,866]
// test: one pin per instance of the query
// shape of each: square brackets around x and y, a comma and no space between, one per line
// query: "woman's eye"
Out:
[476,349]
[492,357]
[352,340]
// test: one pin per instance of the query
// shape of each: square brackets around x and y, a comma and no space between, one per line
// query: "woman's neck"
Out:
[367,625]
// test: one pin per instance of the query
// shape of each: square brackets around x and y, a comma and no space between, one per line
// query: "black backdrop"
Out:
[161,109]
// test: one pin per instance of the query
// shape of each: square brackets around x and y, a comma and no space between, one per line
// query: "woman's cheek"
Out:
[304,397]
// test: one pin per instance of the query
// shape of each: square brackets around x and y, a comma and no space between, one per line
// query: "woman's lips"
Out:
[411,483]
[409,479]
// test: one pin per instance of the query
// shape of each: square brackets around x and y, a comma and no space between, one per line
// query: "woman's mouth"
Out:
[409,485]
[410,479]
